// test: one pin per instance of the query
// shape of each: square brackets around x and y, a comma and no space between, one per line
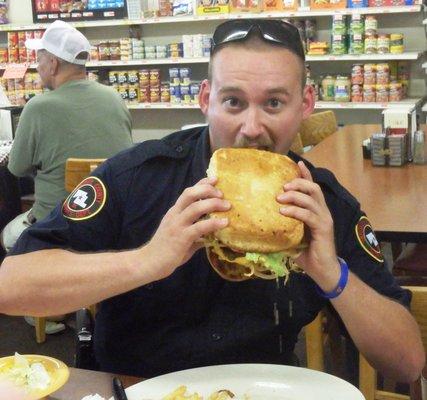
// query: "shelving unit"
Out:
[219,17]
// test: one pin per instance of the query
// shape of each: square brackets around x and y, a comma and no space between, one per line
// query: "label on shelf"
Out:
[15,71]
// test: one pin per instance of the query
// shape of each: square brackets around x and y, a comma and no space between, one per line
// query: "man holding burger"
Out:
[137,249]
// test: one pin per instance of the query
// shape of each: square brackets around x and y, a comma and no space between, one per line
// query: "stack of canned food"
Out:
[381,82]
[16,52]
[356,34]
[182,89]
[19,91]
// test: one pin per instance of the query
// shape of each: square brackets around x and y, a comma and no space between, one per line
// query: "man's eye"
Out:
[232,102]
[274,103]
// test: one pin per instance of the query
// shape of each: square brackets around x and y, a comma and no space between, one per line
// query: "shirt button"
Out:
[216,336]
[179,149]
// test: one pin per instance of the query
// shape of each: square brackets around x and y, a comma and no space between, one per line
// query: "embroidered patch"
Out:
[366,237]
[86,200]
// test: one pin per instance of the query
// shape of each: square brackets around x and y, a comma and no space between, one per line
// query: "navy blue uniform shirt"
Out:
[194,317]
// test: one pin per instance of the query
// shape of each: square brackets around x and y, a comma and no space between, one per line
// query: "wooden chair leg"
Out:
[367,379]
[40,323]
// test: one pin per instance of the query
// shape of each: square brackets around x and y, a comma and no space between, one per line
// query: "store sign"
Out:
[78,10]
[15,71]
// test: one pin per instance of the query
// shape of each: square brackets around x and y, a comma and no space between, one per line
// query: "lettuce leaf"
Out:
[273,261]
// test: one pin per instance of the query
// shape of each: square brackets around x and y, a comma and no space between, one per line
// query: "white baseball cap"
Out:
[63,41]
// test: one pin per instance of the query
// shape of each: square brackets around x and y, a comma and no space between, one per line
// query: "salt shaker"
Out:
[419,138]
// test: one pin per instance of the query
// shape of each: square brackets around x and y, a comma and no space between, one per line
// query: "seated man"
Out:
[76,118]
[138,251]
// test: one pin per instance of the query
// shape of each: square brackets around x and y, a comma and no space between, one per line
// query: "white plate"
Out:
[257,381]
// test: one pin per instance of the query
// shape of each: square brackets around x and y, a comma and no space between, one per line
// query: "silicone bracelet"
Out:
[341,283]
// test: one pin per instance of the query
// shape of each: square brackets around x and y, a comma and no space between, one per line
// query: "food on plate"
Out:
[180,393]
[258,241]
[31,376]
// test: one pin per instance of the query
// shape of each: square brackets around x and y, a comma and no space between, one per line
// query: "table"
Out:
[394,198]
[83,382]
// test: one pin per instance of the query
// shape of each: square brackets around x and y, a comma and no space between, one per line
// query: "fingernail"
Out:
[286,185]
[218,193]
[223,221]
[281,197]
[226,204]
[283,209]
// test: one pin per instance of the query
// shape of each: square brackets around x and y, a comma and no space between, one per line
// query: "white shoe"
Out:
[51,327]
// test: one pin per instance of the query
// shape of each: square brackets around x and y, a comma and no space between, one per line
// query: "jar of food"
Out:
[396,43]
[383,43]
[115,50]
[369,93]
[381,95]
[356,93]
[395,91]
[371,44]
[104,50]
[342,88]
[383,74]
[370,74]
[357,74]
[339,44]
[371,25]
[328,88]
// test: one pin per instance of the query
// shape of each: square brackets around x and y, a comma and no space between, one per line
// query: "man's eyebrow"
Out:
[279,90]
[226,89]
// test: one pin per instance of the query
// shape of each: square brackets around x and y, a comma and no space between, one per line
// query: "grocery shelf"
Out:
[412,55]
[177,60]
[201,60]
[407,103]
[410,104]
[198,18]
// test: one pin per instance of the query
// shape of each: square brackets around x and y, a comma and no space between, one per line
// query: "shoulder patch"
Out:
[366,237]
[86,200]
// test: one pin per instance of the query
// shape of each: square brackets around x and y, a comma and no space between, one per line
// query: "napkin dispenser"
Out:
[389,149]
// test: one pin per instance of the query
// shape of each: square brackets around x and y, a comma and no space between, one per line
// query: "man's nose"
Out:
[252,126]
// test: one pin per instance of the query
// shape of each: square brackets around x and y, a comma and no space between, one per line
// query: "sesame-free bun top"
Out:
[250,180]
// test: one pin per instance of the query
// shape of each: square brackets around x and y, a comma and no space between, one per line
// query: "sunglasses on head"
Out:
[272,30]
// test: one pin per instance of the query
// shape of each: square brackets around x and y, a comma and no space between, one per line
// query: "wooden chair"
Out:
[368,376]
[316,339]
[76,169]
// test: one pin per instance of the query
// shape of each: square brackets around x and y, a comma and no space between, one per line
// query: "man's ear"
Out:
[308,101]
[204,93]
[54,66]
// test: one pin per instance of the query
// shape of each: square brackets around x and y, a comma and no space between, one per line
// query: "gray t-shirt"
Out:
[81,119]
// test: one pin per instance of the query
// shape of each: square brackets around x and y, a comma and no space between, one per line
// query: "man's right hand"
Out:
[183,226]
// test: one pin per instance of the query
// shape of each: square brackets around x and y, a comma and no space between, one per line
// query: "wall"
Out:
[156,123]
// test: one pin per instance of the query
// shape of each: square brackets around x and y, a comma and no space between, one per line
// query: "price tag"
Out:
[15,71]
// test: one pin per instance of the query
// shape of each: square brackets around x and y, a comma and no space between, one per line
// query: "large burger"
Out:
[258,241]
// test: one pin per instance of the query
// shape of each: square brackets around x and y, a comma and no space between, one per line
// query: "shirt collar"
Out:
[202,155]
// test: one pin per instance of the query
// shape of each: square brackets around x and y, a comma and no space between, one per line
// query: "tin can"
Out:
[165,93]
[175,94]
[381,95]
[4,56]
[144,77]
[339,24]
[144,94]
[396,43]
[371,44]
[133,77]
[174,76]
[356,93]
[383,74]
[383,43]
[133,94]
[339,44]
[357,45]
[113,77]
[395,91]
[357,74]
[155,78]
[122,77]
[371,25]
[194,92]
[369,93]
[184,75]
[123,92]
[370,74]
[154,94]
[357,24]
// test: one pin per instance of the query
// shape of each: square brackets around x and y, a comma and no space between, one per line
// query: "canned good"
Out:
[371,25]
[328,88]
[133,94]
[381,95]
[113,77]
[383,74]
[123,92]
[357,45]
[154,94]
[396,43]
[185,94]
[395,91]
[114,50]
[133,77]
[339,44]
[339,24]
[194,92]
[144,77]
[94,55]
[369,93]
[165,93]
[342,88]
[370,74]
[383,43]
[155,77]
[144,94]
[184,75]
[4,56]
[122,77]
[356,93]
[371,43]
[357,24]
[357,74]
[104,50]
[174,76]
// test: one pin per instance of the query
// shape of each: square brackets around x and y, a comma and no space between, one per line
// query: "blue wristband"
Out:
[341,283]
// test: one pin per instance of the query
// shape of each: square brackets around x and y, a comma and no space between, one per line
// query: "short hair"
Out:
[255,41]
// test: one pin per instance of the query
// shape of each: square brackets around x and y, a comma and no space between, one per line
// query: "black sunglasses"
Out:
[272,30]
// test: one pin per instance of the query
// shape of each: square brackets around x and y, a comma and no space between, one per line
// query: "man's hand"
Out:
[183,226]
[303,199]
